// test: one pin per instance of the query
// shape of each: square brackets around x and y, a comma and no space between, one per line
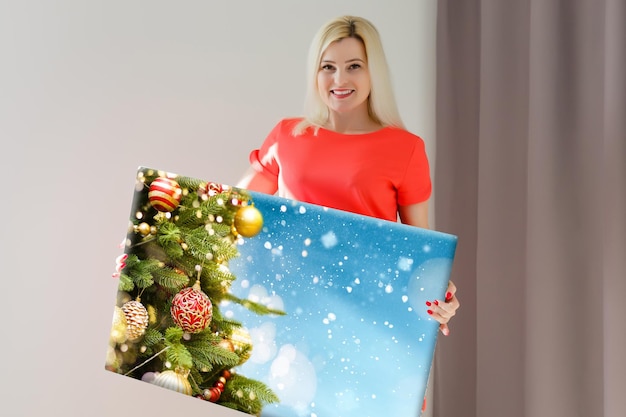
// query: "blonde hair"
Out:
[382,106]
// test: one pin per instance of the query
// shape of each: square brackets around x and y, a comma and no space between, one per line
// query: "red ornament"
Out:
[215,394]
[164,194]
[191,309]
[212,394]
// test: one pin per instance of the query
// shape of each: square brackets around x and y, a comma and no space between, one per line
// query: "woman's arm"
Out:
[440,310]
[415,214]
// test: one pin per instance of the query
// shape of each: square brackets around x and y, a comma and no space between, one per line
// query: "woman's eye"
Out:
[327,67]
[355,66]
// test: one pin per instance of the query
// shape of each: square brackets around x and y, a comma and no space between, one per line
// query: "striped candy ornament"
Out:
[191,309]
[164,194]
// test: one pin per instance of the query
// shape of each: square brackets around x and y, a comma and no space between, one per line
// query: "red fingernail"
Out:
[429,311]
[448,296]
[436,302]
[428,303]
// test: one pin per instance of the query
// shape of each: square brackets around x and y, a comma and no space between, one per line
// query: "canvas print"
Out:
[274,307]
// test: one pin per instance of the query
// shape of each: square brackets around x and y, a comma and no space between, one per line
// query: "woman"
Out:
[350,151]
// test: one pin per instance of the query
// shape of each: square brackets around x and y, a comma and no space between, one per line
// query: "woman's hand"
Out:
[443,311]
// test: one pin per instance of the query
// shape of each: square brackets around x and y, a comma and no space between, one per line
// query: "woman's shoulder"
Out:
[289,122]
[400,133]
[283,128]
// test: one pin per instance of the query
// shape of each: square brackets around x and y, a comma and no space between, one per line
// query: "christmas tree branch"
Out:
[253,306]
[147,360]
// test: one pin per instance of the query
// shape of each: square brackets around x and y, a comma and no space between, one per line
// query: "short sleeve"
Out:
[416,186]
[264,159]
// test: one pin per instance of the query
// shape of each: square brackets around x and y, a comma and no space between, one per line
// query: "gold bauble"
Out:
[242,341]
[152,314]
[226,344]
[143,228]
[113,361]
[174,380]
[248,221]
[119,326]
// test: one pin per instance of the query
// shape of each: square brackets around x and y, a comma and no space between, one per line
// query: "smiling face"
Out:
[343,79]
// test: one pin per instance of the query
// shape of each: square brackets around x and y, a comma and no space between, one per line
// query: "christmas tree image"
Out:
[275,307]
[168,328]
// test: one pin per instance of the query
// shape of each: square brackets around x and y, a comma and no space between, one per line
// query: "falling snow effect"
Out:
[356,339]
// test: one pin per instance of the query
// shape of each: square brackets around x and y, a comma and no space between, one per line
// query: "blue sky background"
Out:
[356,340]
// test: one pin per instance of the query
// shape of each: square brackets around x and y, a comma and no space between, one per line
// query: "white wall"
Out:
[89,90]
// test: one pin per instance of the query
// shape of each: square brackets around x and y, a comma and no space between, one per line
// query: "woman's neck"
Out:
[351,124]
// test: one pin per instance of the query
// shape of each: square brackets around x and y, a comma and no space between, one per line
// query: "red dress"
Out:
[370,173]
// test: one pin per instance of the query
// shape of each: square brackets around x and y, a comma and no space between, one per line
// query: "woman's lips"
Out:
[341,93]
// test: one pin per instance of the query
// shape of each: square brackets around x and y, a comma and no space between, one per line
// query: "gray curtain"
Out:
[530,173]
